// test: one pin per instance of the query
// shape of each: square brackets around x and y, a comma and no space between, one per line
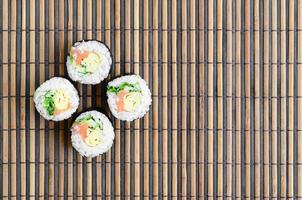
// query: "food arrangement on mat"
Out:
[92,133]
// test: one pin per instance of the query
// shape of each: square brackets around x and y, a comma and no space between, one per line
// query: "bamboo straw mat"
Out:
[226,116]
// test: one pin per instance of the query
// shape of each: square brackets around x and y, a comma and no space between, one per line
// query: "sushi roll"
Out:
[56,99]
[89,62]
[92,134]
[129,97]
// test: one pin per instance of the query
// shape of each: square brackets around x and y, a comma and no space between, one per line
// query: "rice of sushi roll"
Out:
[129,97]
[92,134]
[56,99]
[89,62]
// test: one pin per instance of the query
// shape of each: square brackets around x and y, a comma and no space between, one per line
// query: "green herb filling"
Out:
[93,123]
[135,87]
[49,103]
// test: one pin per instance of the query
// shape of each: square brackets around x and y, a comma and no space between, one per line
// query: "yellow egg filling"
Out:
[93,137]
[92,62]
[131,101]
[61,100]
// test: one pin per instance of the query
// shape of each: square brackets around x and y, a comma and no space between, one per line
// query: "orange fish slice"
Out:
[79,55]
[82,130]
[120,100]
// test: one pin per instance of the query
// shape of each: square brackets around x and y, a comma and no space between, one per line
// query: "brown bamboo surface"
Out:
[226,82]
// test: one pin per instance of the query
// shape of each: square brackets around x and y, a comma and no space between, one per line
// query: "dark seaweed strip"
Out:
[151,142]
[56,125]
[179,101]
[132,133]
[242,93]
[1,101]
[206,97]
[170,107]
[160,102]
[188,110]
[225,79]
[252,81]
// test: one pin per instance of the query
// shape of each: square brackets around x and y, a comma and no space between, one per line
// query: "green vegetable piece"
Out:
[93,123]
[83,69]
[112,89]
[135,88]
[129,86]
[84,119]
[71,59]
[48,102]
[98,124]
